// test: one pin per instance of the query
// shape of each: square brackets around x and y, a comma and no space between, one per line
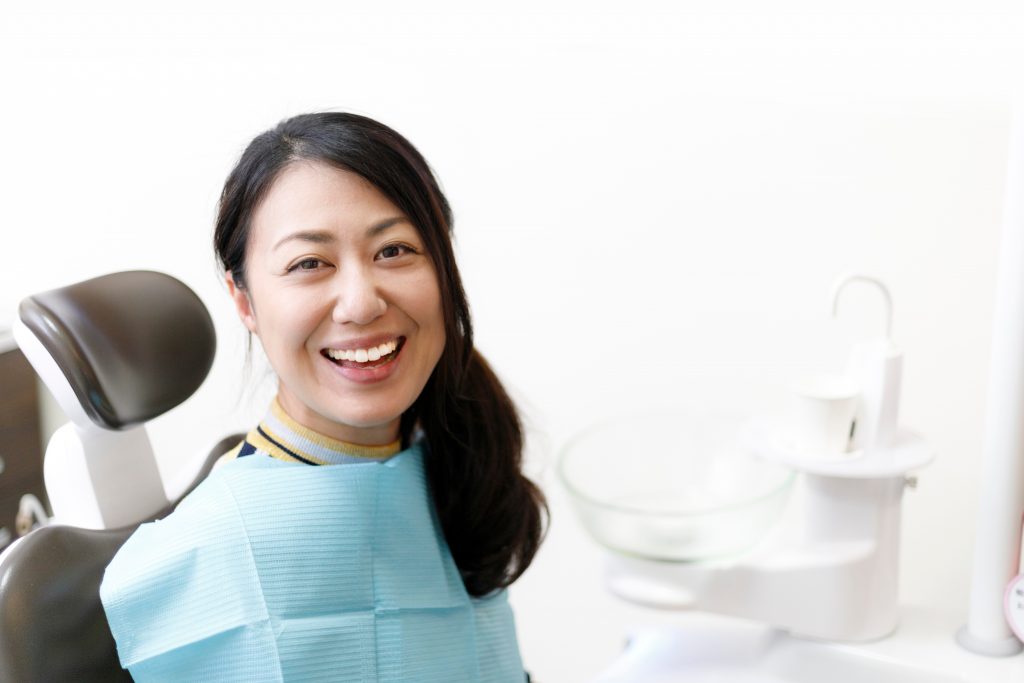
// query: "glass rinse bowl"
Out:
[672,487]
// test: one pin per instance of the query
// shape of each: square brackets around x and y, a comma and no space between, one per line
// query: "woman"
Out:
[366,529]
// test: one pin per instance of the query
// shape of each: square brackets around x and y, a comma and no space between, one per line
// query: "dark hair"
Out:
[492,515]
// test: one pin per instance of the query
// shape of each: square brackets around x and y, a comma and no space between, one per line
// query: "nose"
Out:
[358,298]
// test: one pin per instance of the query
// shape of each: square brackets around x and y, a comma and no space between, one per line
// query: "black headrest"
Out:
[132,345]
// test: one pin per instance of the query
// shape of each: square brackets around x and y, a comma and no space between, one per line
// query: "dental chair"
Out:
[115,351]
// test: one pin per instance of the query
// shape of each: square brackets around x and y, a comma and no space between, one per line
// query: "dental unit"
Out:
[827,569]
[821,567]
[830,568]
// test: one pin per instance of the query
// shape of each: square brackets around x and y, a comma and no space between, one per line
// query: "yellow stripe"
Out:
[356,450]
[257,440]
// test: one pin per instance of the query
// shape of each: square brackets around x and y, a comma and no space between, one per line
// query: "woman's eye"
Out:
[395,250]
[306,264]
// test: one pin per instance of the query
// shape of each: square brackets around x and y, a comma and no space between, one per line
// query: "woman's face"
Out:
[345,301]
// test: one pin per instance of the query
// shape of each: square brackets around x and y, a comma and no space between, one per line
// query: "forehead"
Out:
[316,196]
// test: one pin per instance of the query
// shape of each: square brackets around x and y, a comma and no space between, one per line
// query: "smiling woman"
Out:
[334,296]
[334,239]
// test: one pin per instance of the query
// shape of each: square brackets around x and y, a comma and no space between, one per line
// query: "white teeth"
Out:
[373,353]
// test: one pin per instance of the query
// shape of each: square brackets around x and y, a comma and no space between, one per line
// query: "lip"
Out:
[368,375]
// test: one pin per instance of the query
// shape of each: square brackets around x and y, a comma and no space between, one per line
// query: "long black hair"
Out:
[492,515]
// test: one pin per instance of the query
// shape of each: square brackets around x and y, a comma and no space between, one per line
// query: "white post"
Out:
[1001,507]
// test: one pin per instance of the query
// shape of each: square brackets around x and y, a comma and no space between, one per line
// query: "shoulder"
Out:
[230,455]
[200,519]
[166,573]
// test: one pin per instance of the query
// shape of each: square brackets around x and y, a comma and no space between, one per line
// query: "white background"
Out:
[651,205]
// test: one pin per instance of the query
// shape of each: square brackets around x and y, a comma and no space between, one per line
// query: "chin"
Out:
[366,418]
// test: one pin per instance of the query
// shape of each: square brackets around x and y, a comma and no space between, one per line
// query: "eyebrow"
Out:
[327,237]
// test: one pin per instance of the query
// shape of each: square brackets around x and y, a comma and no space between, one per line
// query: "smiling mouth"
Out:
[365,359]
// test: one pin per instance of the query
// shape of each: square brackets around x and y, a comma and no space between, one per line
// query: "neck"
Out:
[375,435]
[282,437]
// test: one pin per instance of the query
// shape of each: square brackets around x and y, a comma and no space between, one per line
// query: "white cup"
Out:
[823,410]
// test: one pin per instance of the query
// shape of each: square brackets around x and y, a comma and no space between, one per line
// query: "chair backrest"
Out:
[52,624]
[51,617]
[115,351]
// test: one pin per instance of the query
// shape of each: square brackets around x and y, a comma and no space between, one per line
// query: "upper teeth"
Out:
[364,355]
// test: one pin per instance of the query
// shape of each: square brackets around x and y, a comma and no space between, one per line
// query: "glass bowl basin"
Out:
[672,487]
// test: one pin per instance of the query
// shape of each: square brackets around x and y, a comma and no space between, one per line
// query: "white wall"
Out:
[649,204]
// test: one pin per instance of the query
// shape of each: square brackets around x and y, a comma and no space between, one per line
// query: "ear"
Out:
[243,304]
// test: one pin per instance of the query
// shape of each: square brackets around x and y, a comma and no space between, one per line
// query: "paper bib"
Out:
[273,571]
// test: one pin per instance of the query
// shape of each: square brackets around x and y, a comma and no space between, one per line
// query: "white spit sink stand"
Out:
[746,652]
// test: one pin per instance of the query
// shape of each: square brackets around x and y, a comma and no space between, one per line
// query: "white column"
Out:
[1002,477]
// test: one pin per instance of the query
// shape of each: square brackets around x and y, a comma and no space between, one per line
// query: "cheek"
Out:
[285,322]
[431,313]
[419,297]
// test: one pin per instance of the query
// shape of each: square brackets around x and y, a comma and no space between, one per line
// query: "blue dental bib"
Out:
[273,571]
